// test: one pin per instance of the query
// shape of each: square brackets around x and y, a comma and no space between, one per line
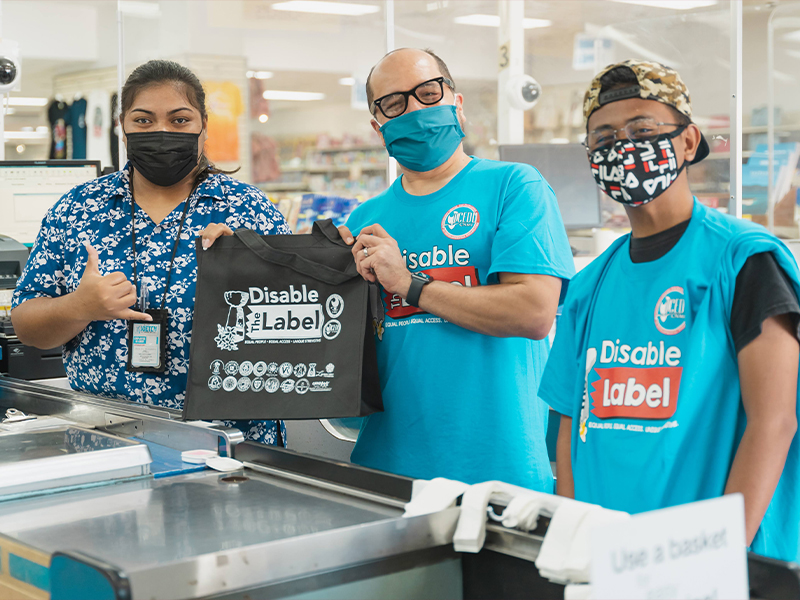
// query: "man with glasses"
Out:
[472,257]
[675,363]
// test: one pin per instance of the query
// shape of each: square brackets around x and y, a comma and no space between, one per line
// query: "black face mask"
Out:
[163,157]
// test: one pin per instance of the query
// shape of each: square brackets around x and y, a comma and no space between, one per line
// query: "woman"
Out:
[121,248]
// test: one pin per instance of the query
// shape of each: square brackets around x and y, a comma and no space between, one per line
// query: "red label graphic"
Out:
[397,308]
[635,393]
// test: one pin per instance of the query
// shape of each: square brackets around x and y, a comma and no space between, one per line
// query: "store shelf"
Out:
[727,155]
[346,168]
[365,148]
[283,187]
[757,129]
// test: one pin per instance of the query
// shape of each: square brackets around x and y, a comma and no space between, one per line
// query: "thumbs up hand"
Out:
[105,297]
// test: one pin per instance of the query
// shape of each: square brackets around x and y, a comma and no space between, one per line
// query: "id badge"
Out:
[147,343]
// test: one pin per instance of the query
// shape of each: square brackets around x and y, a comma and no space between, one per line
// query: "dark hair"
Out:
[157,72]
[439,63]
[621,77]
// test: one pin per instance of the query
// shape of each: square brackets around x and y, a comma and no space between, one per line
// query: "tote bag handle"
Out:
[261,248]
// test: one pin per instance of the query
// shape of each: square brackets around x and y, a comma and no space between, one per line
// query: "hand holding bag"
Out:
[282,330]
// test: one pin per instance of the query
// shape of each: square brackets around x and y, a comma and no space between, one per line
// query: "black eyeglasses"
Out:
[427,93]
[640,130]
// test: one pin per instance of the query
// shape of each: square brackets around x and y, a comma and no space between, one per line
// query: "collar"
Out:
[120,183]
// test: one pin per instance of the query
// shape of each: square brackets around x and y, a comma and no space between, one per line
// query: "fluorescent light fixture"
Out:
[671,4]
[137,8]
[494,21]
[327,8]
[20,101]
[26,135]
[263,118]
[293,96]
[20,148]
[559,141]
[260,74]
[347,81]
[10,111]
[794,36]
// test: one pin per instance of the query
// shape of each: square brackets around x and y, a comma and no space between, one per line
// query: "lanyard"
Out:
[174,246]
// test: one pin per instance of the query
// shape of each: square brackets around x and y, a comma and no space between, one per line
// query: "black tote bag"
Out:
[282,330]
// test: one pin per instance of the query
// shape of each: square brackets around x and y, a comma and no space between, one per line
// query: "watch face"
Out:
[424,277]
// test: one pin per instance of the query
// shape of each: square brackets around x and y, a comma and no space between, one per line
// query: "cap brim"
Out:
[702,150]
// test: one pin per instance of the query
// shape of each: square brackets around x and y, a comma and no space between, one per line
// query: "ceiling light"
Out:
[794,36]
[260,74]
[20,148]
[327,8]
[671,4]
[263,118]
[293,96]
[20,101]
[347,81]
[10,111]
[136,8]
[494,21]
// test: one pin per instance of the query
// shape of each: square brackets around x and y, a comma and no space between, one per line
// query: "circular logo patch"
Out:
[231,367]
[332,329]
[300,370]
[334,305]
[214,383]
[244,384]
[460,221]
[229,384]
[287,386]
[216,367]
[258,384]
[271,385]
[301,387]
[670,313]
[246,368]
[285,369]
[260,368]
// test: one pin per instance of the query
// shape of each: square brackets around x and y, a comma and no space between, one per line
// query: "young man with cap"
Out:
[675,363]
[472,257]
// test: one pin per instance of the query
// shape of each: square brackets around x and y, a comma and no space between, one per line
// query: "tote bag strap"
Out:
[261,248]
[330,231]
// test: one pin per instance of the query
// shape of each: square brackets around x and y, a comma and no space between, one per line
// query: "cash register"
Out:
[16,359]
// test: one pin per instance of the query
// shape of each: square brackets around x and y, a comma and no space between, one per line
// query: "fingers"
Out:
[132,315]
[346,235]
[214,231]
[375,230]
[116,278]
[93,260]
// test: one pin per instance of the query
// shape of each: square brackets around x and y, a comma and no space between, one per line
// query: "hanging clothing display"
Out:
[58,115]
[77,121]
[98,127]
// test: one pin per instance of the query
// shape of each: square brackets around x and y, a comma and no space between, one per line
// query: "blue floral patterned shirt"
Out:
[99,213]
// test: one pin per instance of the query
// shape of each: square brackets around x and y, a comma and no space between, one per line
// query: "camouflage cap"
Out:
[656,82]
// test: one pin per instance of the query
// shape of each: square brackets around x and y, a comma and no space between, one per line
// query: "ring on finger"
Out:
[366,252]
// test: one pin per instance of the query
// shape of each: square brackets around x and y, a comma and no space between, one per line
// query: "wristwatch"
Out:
[418,281]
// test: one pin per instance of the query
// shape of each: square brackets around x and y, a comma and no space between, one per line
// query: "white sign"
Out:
[692,551]
[589,51]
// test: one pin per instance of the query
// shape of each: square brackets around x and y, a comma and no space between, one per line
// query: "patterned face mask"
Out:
[636,173]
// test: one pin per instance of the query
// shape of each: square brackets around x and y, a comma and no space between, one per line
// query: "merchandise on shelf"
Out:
[314,207]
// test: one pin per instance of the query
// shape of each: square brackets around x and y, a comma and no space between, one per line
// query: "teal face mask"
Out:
[423,139]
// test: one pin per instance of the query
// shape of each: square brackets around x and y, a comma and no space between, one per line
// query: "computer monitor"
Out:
[28,188]
[566,169]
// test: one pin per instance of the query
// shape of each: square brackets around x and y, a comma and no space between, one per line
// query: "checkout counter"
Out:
[96,502]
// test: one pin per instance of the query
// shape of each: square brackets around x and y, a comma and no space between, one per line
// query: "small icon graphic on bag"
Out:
[260,368]
[231,367]
[334,305]
[258,384]
[244,384]
[229,384]
[214,383]
[232,333]
[285,369]
[312,369]
[216,366]
[302,386]
[272,385]
[300,370]
[329,368]
[246,368]
[332,329]
[287,386]
[272,369]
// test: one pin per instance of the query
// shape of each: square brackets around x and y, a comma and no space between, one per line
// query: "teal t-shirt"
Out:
[459,404]
[644,362]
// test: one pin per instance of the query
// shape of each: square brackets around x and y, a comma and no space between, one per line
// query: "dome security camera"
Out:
[8,73]
[523,92]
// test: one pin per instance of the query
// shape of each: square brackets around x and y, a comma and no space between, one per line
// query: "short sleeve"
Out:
[561,374]
[44,275]
[261,215]
[530,236]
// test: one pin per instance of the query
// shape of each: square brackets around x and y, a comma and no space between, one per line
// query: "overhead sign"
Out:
[696,550]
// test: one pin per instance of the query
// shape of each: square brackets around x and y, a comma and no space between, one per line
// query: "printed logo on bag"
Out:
[264,316]
[647,390]
[670,313]
[460,221]
[397,307]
